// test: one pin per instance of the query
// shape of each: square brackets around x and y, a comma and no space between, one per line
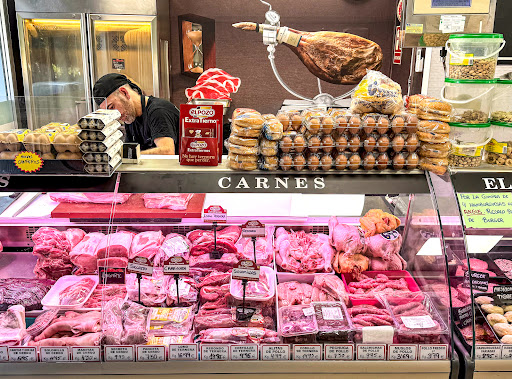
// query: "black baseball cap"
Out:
[107,84]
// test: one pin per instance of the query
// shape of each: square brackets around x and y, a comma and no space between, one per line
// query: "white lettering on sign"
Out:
[262,183]
[4,357]
[403,352]
[275,352]
[150,353]
[214,352]
[244,352]
[22,354]
[224,182]
[506,352]
[488,352]
[54,354]
[183,352]
[339,352]
[243,184]
[4,181]
[119,353]
[85,353]
[259,182]
[202,112]
[137,268]
[366,352]
[433,352]
[307,352]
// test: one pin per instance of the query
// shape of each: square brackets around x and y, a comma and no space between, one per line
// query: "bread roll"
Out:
[432,137]
[273,129]
[237,165]
[434,150]
[243,158]
[245,132]
[436,165]
[249,120]
[239,111]
[251,142]
[243,150]
[434,126]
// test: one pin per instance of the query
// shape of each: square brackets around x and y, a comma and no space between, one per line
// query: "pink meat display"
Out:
[173,201]
[174,245]
[302,252]
[255,290]
[384,246]
[26,292]
[12,326]
[152,288]
[369,315]
[88,339]
[505,265]
[238,335]
[328,287]
[51,237]
[84,256]
[115,245]
[42,322]
[77,292]
[74,236]
[125,323]
[203,241]
[442,293]
[171,321]
[213,297]
[396,263]
[215,278]
[214,83]
[380,284]
[297,320]
[121,262]
[104,293]
[72,324]
[146,244]
[90,197]
[225,263]
[187,289]
[346,238]
[293,293]
[264,249]
[225,318]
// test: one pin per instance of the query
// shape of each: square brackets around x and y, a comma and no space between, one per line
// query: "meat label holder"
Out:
[140,266]
[253,229]
[176,266]
[502,295]
[245,270]
[112,275]
[215,214]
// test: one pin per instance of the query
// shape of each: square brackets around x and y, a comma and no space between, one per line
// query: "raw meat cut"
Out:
[74,323]
[120,262]
[104,293]
[383,245]
[505,265]
[229,233]
[238,335]
[376,221]
[25,292]
[52,268]
[206,91]
[475,264]
[368,315]
[226,319]
[294,293]
[125,323]
[42,322]
[115,245]
[90,197]
[152,288]
[51,237]
[174,201]
[346,238]
[187,290]
[262,289]
[112,322]
[84,256]
[264,249]
[330,317]
[74,236]
[328,287]
[12,326]
[350,264]
[222,246]
[214,297]
[380,284]
[77,293]
[225,263]
[215,278]
[221,78]
[88,339]
[146,244]
[297,320]
[462,269]
[174,245]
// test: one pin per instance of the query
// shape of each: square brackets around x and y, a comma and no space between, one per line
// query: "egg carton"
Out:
[99,119]
[105,157]
[104,169]
[101,147]
[371,123]
[99,135]
[11,140]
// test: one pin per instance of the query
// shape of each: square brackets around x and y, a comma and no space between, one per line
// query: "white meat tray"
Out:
[51,299]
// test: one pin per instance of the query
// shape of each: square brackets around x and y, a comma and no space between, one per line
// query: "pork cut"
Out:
[120,262]
[77,293]
[214,83]
[25,292]
[173,201]
[115,245]
[12,326]
[215,278]
[146,244]
[152,288]
[238,335]
[87,339]
[103,293]
[264,249]
[74,323]
[125,323]
[90,197]
[74,236]
[51,237]
[174,245]
[186,289]
[84,255]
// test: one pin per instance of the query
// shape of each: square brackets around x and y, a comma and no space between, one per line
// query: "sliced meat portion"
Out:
[115,245]
[84,255]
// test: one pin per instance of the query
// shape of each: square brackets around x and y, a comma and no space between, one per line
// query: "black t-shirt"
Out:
[161,118]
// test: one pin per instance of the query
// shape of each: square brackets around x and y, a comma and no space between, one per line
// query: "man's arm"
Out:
[164,146]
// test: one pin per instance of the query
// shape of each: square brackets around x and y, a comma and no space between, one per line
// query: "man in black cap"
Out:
[151,122]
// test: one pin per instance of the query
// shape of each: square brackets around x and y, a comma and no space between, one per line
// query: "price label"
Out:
[112,275]
[502,295]
[332,313]
[339,352]
[85,354]
[4,357]
[215,213]
[119,353]
[488,352]
[150,353]
[465,315]
[183,352]
[214,352]
[246,269]
[480,280]
[309,311]
[368,352]
[433,352]
[22,354]
[176,265]
[418,322]
[403,352]
[275,352]
[54,354]
[506,352]
[307,352]
[140,265]
[244,352]
[253,228]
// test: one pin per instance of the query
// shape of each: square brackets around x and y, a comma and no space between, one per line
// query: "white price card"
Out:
[119,353]
[22,354]
[85,353]
[244,352]
[275,352]
[339,352]
[307,352]
[433,352]
[488,352]
[215,213]
[418,322]
[368,352]
[54,354]
[4,357]
[183,352]
[214,352]
[506,352]
[403,352]
[150,353]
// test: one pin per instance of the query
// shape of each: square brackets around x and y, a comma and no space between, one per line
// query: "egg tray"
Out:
[101,146]
[93,135]
[104,169]
[99,119]
[107,156]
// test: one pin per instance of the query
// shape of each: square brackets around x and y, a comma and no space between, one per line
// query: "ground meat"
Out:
[505,265]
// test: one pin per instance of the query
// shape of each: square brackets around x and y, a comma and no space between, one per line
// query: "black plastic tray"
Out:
[50,167]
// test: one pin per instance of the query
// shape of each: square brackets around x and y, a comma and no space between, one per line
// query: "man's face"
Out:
[119,100]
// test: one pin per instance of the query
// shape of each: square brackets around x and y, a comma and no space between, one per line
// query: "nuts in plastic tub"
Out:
[501,110]
[499,148]
[471,99]
[468,143]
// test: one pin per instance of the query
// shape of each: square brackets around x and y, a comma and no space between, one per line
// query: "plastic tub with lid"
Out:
[501,109]
[473,56]
[468,143]
[470,99]
[499,148]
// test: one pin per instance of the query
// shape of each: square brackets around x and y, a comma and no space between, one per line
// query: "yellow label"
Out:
[414,28]
[467,151]
[28,162]
[177,315]
[496,147]
[165,340]
[458,60]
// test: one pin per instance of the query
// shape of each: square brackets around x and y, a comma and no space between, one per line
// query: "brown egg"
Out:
[398,161]
[314,125]
[286,144]
[369,125]
[383,144]
[354,162]
[412,161]
[314,144]
[369,162]
[296,121]
[370,143]
[398,143]
[286,162]
[299,162]
[284,119]
[47,156]
[354,143]
[398,124]
[327,144]
[382,161]
[326,162]
[412,143]
[327,125]
[341,143]
[313,162]
[354,124]
[412,123]
[383,125]
[299,144]
[341,124]
[341,162]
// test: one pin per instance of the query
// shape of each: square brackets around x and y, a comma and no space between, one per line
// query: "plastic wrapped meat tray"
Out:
[333,323]
[297,320]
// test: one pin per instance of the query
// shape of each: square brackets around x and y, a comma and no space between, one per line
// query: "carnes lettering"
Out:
[257,182]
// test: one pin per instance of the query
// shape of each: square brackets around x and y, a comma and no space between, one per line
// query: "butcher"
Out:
[151,122]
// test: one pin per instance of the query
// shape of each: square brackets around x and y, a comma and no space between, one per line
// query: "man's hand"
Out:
[164,146]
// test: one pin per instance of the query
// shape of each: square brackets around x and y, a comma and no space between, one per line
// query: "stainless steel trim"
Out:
[25,68]
[147,7]
[7,57]
[154,54]
[84,34]
[163,72]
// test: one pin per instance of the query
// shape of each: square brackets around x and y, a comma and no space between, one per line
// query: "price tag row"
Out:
[493,352]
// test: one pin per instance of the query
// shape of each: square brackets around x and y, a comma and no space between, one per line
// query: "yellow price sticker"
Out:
[28,162]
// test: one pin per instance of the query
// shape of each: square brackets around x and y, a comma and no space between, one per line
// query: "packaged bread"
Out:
[436,165]
[434,109]
[242,150]
[272,128]
[240,111]
[66,141]
[11,140]
[251,120]
[432,137]
[242,162]
[269,163]
[434,126]
[243,141]
[434,150]
[245,132]
[412,103]
[268,148]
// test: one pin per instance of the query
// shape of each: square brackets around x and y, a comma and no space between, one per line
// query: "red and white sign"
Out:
[397,51]
[140,265]
[215,213]
[246,269]
[253,228]
[176,265]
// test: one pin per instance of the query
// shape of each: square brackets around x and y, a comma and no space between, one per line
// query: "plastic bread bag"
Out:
[242,162]
[436,165]
[242,150]
[251,120]
[272,128]
[434,150]
[269,163]
[377,93]
[434,109]
[242,141]
[241,131]
[239,111]
[268,148]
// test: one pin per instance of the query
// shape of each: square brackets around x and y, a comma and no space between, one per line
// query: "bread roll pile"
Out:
[243,142]
[272,134]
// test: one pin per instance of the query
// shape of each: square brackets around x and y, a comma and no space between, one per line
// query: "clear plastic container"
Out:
[501,110]
[471,100]
[499,148]
[296,320]
[54,298]
[262,290]
[334,325]
[468,144]
[473,56]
